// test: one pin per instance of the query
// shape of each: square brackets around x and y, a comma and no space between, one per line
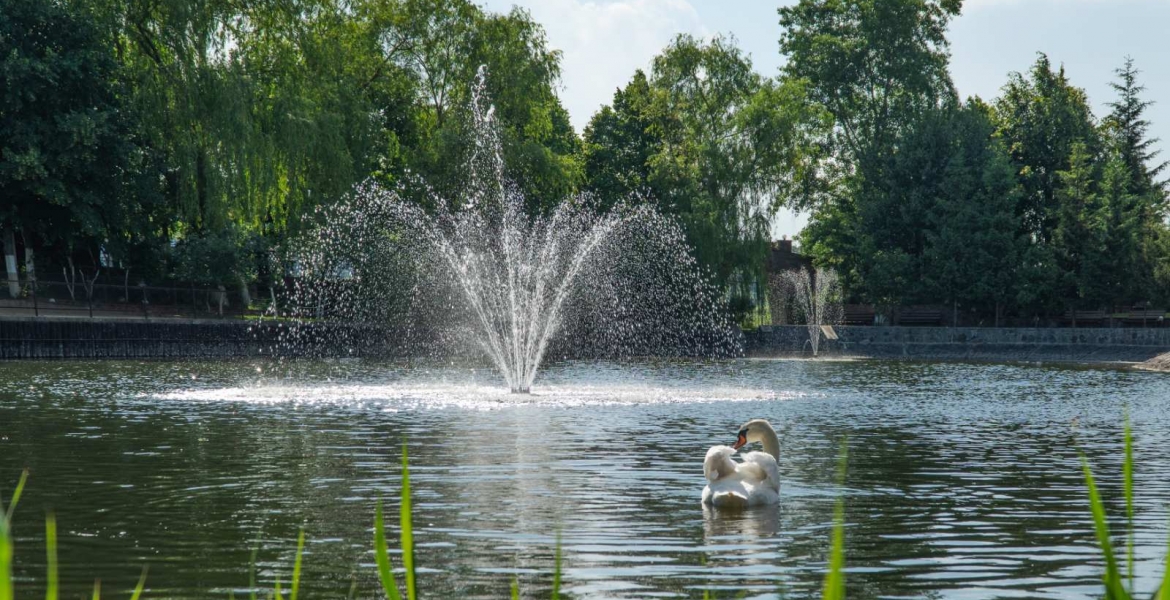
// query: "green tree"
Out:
[873,64]
[875,67]
[709,140]
[69,164]
[972,248]
[442,44]
[619,143]
[1138,205]
[1041,117]
[1129,130]
[1079,238]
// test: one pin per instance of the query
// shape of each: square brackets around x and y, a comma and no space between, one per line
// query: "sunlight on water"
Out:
[964,480]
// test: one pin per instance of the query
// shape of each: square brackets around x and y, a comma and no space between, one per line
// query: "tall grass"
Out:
[835,579]
[1114,580]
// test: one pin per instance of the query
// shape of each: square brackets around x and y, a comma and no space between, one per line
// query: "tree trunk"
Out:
[10,263]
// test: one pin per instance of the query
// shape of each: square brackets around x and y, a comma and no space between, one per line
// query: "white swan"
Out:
[753,482]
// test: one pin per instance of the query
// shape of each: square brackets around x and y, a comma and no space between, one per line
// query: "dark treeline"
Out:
[184,139]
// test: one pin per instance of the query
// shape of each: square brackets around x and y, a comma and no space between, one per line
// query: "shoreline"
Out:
[31,338]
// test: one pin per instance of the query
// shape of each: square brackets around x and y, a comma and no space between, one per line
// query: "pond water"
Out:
[964,480]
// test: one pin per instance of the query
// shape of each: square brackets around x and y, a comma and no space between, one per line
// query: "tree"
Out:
[619,143]
[1079,238]
[875,67]
[1129,130]
[69,161]
[873,64]
[1138,205]
[710,141]
[1041,117]
[972,246]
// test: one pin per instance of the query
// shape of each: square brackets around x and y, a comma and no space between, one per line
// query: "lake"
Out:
[964,480]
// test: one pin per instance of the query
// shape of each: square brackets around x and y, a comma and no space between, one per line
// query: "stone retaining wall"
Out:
[138,338]
[1084,345]
[98,339]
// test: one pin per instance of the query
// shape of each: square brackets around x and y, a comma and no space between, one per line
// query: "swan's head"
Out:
[756,430]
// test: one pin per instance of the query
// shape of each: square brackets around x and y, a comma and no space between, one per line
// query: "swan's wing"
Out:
[718,463]
[761,467]
[752,472]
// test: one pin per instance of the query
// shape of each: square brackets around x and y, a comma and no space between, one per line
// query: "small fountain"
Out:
[818,297]
[481,268]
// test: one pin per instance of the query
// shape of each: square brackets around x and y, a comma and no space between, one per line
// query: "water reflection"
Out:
[964,480]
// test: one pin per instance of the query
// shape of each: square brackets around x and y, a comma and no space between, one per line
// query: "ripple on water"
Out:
[964,480]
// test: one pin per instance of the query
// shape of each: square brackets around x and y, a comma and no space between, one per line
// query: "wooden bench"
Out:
[1085,317]
[859,314]
[1144,317]
[920,316]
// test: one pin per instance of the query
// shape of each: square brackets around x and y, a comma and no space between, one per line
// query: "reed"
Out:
[1113,578]
[834,588]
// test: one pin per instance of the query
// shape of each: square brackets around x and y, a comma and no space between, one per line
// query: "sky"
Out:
[604,41]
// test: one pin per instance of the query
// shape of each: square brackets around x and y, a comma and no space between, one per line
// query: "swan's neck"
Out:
[770,443]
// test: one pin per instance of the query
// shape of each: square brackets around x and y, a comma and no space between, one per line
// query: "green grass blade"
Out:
[382,558]
[138,589]
[1112,577]
[1163,592]
[556,590]
[277,593]
[835,579]
[5,562]
[15,496]
[1127,471]
[404,514]
[515,588]
[296,576]
[51,584]
[97,589]
[252,569]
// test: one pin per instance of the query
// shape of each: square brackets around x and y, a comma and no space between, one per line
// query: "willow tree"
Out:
[251,104]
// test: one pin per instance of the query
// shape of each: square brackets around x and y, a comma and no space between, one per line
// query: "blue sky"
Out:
[605,40]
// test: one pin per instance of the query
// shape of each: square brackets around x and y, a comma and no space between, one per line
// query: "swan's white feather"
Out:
[753,482]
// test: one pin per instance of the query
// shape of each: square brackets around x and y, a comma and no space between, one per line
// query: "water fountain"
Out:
[618,282]
[818,297]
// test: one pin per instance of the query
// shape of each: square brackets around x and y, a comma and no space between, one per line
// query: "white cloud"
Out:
[605,41]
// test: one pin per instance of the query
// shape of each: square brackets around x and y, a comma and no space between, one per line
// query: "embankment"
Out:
[139,338]
[28,338]
[1082,345]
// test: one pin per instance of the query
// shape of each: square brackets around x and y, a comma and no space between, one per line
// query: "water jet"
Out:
[618,277]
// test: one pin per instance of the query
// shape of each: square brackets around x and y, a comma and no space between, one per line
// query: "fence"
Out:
[85,297]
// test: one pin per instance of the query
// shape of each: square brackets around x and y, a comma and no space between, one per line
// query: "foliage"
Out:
[1042,117]
[873,64]
[225,257]
[706,139]
[138,126]
[1024,205]
[70,166]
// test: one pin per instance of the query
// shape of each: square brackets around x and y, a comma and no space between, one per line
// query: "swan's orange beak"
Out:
[740,441]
